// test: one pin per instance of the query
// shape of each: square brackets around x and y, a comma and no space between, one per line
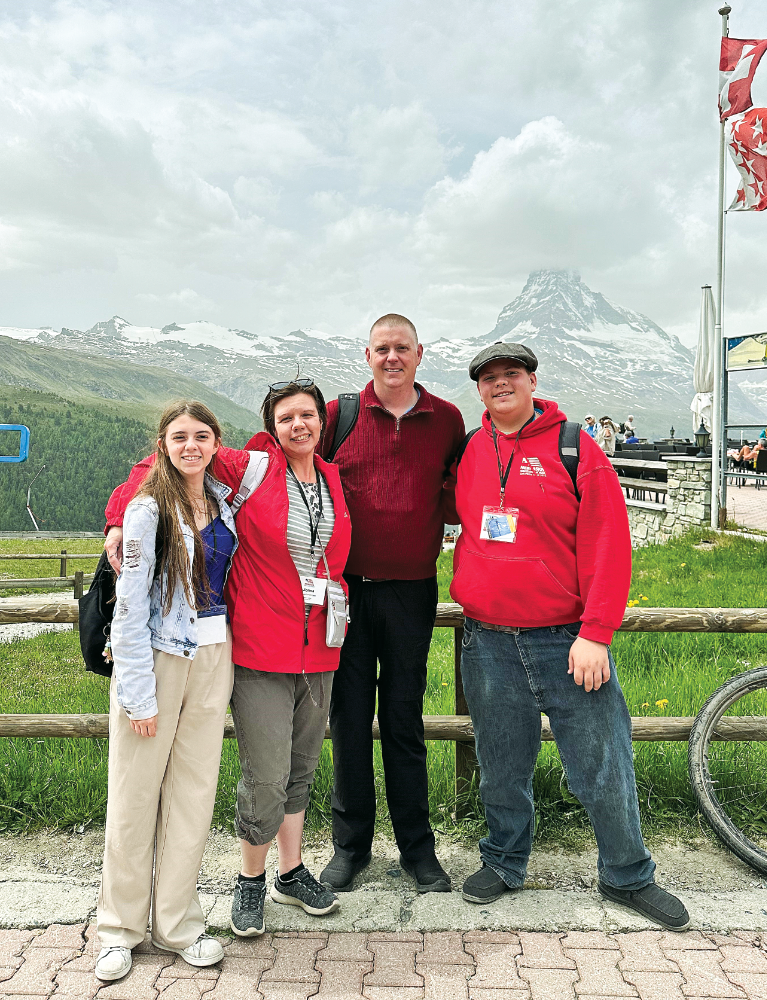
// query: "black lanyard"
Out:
[314,524]
[504,476]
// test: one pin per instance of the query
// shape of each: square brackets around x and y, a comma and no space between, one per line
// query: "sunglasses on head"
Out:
[302,383]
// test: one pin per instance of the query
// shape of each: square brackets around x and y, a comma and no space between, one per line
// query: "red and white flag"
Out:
[737,65]
[748,147]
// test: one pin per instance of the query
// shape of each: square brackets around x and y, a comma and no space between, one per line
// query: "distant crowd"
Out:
[607,432]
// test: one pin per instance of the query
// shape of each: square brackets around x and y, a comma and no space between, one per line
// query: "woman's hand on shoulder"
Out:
[114,548]
[144,727]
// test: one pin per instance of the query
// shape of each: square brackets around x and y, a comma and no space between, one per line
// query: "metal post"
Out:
[717,435]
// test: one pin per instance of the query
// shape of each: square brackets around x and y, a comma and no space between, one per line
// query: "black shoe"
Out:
[248,908]
[652,902]
[339,873]
[303,890]
[484,886]
[429,874]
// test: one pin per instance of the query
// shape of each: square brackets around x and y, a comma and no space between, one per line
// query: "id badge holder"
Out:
[499,524]
[314,589]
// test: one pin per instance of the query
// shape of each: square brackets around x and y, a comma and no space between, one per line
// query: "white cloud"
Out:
[291,163]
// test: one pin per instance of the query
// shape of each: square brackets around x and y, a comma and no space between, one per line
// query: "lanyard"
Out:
[314,524]
[503,476]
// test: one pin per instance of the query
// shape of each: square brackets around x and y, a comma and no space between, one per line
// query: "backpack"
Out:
[97,607]
[348,413]
[569,449]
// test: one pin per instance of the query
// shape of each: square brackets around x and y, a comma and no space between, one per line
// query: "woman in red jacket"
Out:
[294,533]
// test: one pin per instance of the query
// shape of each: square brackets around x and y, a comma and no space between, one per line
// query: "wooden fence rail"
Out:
[458,727]
[455,728]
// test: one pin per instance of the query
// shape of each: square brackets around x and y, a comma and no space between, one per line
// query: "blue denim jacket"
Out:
[138,625]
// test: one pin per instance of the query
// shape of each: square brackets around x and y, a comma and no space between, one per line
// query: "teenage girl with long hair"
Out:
[170,688]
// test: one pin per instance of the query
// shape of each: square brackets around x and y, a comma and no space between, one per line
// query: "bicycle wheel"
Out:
[729,778]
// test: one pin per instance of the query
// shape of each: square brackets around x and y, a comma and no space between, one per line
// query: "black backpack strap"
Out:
[348,412]
[463,444]
[570,449]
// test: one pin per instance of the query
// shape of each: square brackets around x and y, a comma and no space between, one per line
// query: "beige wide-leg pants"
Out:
[161,795]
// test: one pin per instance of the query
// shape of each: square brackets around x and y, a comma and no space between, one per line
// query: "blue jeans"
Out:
[510,678]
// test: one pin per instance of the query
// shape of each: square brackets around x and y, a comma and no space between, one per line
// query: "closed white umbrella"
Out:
[703,376]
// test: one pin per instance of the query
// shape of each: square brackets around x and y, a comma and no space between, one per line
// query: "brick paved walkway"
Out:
[475,965]
[747,506]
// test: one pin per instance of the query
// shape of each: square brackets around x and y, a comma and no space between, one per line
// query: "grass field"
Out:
[17,569]
[63,782]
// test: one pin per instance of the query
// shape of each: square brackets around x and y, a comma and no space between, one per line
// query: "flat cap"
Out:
[515,352]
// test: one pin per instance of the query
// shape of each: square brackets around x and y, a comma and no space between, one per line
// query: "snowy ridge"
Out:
[594,356]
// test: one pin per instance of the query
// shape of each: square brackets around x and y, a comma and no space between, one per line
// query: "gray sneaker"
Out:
[248,908]
[305,891]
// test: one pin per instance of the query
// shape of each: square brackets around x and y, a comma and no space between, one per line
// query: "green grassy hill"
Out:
[87,447]
[79,377]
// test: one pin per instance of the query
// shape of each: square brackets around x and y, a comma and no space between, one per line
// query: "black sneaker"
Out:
[303,890]
[484,886]
[429,874]
[652,902]
[248,908]
[339,873]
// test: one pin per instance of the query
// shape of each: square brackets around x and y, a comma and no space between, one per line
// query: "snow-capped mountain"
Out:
[594,356]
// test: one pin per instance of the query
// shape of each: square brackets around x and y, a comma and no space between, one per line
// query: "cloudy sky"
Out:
[271,165]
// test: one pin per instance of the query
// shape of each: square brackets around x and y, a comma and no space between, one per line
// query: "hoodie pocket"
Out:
[513,591]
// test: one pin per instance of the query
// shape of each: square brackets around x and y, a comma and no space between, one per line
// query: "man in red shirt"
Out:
[393,469]
[543,569]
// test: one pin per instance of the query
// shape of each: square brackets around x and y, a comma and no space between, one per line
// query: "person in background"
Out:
[591,425]
[542,571]
[606,435]
[628,428]
[171,683]
[294,531]
[393,467]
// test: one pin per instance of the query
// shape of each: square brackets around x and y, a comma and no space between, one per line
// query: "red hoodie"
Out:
[263,592]
[571,561]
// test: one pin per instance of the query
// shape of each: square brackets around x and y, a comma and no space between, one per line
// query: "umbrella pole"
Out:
[719,433]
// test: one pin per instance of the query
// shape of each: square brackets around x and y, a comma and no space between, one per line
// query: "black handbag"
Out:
[96,612]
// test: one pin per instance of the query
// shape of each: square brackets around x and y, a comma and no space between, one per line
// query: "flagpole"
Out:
[719,434]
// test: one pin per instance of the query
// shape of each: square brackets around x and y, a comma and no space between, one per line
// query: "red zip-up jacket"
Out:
[571,560]
[394,474]
[263,592]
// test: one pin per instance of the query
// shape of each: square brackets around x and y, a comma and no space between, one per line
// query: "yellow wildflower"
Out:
[645,704]
[682,564]
[662,703]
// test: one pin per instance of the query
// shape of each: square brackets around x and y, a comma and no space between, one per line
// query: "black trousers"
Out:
[391,625]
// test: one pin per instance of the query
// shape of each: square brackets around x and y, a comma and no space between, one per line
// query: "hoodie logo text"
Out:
[531,467]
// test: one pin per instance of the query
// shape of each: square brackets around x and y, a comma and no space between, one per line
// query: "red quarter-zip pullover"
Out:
[393,473]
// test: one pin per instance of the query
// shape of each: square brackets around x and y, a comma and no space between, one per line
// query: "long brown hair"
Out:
[167,487]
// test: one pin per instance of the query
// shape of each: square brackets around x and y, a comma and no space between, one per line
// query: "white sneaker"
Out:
[204,951]
[113,963]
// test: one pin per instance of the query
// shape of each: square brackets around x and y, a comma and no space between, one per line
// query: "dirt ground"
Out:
[694,864]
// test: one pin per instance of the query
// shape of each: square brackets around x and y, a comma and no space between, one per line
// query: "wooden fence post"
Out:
[77,595]
[466,766]
[63,566]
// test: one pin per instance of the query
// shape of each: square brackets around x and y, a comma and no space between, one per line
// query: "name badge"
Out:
[499,524]
[211,630]
[314,589]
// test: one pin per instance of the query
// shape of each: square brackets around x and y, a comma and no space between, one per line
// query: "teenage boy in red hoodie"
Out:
[543,574]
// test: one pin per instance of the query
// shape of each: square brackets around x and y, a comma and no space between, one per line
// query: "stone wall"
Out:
[688,503]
